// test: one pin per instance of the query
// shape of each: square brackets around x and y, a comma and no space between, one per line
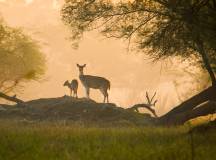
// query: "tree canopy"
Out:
[20,58]
[159,28]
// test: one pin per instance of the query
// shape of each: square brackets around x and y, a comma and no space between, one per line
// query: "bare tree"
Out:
[149,105]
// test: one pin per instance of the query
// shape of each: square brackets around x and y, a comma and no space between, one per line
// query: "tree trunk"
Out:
[12,99]
[206,61]
[183,110]
[194,107]
[203,110]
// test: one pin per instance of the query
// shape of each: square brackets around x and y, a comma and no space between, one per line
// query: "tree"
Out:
[20,60]
[163,28]
[158,28]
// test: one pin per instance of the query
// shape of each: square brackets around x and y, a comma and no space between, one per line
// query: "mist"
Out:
[131,75]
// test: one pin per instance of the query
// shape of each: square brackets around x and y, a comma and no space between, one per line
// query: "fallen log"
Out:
[180,118]
[191,108]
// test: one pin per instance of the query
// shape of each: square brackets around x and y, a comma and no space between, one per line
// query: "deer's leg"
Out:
[70,92]
[87,92]
[104,94]
[107,95]
[107,98]
[76,93]
[73,93]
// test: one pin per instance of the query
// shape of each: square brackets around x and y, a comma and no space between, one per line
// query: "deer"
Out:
[149,105]
[94,82]
[73,86]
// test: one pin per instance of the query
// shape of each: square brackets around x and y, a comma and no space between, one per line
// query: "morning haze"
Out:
[152,88]
[129,73]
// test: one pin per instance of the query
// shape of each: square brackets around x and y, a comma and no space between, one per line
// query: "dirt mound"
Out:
[72,110]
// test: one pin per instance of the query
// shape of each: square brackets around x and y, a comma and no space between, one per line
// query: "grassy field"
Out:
[47,141]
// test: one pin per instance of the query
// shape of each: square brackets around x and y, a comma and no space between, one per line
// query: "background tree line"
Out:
[21,60]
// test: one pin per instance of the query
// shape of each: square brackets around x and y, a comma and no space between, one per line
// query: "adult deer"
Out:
[94,82]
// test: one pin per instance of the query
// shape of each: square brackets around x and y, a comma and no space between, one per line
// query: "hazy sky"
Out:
[130,75]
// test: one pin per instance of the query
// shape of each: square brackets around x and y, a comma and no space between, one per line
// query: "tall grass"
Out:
[49,141]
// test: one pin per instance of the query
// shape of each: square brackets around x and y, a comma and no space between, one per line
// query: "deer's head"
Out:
[81,67]
[66,83]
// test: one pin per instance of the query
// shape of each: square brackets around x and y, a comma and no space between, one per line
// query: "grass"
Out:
[55,141]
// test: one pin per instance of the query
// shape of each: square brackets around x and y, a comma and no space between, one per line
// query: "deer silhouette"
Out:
[94,82]
[73,86]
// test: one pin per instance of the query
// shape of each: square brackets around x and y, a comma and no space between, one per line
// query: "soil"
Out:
[73,110]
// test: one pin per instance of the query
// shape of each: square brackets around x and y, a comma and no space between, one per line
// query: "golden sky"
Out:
[130,75]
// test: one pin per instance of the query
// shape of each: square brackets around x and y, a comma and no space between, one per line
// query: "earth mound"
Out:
[72,110]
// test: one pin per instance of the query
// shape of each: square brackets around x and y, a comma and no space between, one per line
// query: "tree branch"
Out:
[137,106]
[12,99]
[142,24]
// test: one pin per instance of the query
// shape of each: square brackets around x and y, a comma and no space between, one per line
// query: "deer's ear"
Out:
[84,65]
[77,65]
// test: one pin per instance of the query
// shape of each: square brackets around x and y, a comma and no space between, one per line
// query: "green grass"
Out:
[47,141]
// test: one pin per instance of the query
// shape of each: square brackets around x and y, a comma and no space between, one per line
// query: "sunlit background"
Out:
[131,75]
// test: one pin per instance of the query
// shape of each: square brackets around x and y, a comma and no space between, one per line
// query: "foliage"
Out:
[159,28]
[20,58]
[22,141]
[184,73]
